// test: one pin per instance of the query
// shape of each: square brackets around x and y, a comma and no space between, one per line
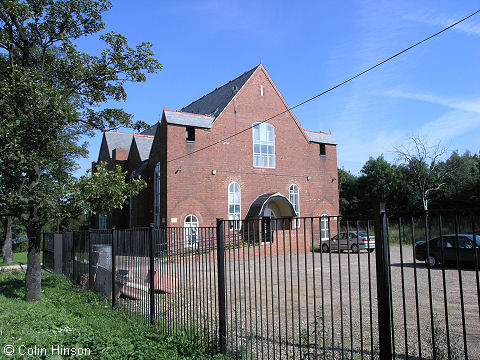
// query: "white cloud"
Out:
[462,118]
[468,26]
[467,105]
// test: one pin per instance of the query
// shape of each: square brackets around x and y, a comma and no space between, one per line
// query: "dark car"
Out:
[462,246]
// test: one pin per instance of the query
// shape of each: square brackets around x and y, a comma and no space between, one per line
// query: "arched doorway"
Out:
[274,206]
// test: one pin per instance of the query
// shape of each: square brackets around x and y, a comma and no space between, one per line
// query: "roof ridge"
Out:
[319,132]
[126,133]
[184,112]
[222,86]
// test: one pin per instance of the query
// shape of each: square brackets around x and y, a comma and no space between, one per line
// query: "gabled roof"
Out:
[186,119]
[117,140]
[214,102]
[320,137]
[123,141]
[144,144]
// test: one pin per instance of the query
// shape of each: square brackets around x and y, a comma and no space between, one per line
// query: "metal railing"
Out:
[273,290]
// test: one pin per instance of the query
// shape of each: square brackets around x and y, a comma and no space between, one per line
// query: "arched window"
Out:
[324,228]
[234,205]
[191,231]
[156,196]
[294,197]
[263,145]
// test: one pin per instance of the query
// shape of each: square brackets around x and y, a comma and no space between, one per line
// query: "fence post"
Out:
[74,259]
[222,323]
[90,272]
[114,239]
[383,283]
[152,274]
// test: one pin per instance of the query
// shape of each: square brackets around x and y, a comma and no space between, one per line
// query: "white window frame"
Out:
[190,231]
[294,191]
[259,157]
[156,195]
[324,228]
[234,200]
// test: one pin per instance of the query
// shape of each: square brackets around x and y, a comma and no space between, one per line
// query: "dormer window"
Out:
[263,145]
[190,134]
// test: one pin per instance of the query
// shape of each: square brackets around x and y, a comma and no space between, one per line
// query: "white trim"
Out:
[260,124]
[189,234]
[324,220]
[234,215]
[296,207]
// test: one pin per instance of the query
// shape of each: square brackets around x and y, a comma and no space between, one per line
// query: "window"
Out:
[324,227]
[191,231]
[295,200]
[263,145]
[234,204]
[190,134]
[102,221]
[156,196]
[323,150]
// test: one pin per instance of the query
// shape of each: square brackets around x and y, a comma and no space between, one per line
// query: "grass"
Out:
[18,258]
[71,318]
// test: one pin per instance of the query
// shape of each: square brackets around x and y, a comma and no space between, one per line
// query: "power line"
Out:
[330,89]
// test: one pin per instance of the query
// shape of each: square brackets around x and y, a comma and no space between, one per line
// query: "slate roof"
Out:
[144,144]
[150,131]
[186,119]
[118,140]
[123,141]
[214,102]
[319,137]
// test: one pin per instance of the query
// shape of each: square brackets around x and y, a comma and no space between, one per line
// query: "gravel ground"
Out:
[289,305]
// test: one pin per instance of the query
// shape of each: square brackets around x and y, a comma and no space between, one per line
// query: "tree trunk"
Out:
[7,241]
[33,276]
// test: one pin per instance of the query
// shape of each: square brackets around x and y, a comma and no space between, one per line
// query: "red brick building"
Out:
[197,171]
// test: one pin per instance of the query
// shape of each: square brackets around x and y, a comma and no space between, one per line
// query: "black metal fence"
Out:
[265,289]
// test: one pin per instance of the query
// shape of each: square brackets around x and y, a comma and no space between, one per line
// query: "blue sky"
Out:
[307,47]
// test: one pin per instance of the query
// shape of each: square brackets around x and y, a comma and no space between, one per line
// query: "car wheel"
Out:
[354,248]
[371,250]
[325,248]
[430,261]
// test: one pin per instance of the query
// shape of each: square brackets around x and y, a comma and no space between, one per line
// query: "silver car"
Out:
[353,240]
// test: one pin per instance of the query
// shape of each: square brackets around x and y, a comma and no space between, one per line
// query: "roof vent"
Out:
[234,89]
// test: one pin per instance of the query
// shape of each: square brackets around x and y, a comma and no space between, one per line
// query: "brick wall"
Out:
[189,187]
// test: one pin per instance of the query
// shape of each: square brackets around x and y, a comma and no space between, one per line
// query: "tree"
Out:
[6,240]
[348,193]
[424,163]
[461,186]
[51,95]
[106,190]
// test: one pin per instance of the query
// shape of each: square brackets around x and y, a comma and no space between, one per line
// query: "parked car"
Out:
[464,247]
[353,240]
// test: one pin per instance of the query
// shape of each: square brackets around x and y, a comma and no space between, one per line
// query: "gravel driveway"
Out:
[308,304]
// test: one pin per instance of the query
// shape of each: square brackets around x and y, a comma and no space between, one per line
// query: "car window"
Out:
[448,242]
[344,236]
[464,243]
